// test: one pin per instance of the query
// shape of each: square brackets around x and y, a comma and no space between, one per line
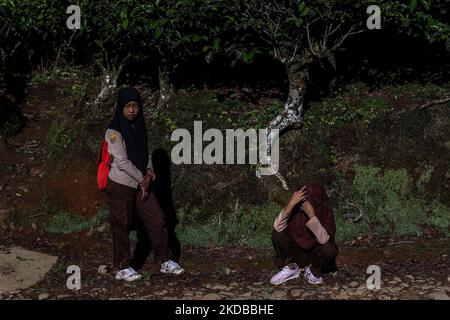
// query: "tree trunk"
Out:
[110,75]
[109,83]
[166,88]
[292,114]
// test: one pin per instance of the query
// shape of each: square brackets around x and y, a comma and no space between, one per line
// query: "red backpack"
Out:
[103,165]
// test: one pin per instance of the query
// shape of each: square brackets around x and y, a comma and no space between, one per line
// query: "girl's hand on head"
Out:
[298,196]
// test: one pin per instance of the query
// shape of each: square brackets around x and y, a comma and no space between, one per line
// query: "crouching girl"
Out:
[303,236]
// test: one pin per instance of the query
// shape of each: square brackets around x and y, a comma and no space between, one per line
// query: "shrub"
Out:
[440,217]
[339,112]
[388,206]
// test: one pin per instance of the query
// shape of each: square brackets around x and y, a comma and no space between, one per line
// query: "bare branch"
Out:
[309,40]
[434,102]
[293,55]
[335,29]
[345,36]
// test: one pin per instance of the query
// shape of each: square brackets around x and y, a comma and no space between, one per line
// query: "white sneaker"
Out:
[285,274]
[171,266]
[128,274]
[312,279]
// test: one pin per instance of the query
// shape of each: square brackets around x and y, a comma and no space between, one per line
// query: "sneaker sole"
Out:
[129,279]
[133,279]
[287,279]
[167,272]
[315,283]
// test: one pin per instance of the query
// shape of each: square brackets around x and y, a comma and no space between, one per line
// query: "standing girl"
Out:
[128,187]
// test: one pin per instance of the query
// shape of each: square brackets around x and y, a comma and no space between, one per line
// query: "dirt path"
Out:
[21,269]
[412,269]
[25,155]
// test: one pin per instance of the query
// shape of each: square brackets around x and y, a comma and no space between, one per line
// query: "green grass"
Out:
[339,112]
[247,227]
[384,198]
[346,230]
[440,217]
[388,205]
[64,222]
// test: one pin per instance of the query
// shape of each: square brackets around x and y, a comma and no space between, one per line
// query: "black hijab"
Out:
[133,132]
